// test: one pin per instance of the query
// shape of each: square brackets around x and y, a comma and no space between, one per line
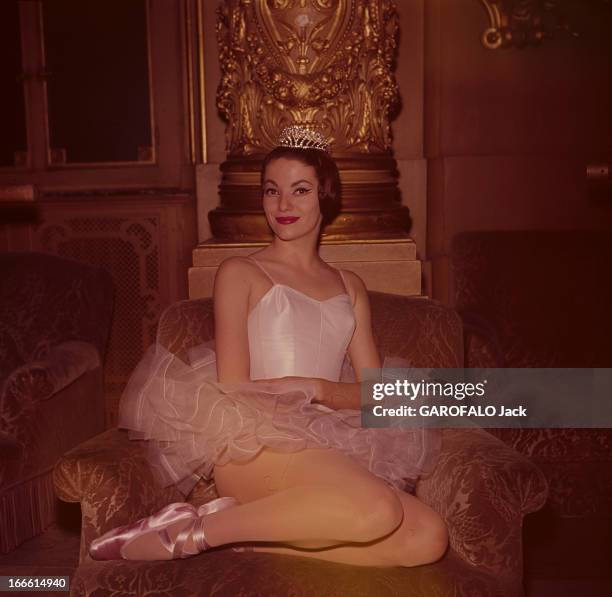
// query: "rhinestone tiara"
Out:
[301,137]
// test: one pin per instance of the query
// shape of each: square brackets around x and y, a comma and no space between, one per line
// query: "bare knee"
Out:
[378,513]
[435,539]
[426,543]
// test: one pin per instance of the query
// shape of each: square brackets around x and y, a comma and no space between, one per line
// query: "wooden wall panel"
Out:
[144,242]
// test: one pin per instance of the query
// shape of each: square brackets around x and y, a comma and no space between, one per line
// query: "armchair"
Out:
[481,487]
[55,316]
[541,298]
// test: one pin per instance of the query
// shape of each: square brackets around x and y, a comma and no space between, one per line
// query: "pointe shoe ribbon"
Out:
[110,546]
[198,537]
[196,528]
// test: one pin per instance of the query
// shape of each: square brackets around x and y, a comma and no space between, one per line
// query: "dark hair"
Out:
[326,170]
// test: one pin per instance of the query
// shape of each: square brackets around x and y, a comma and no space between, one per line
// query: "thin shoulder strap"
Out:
[346,288]
[262,268]
[343,281]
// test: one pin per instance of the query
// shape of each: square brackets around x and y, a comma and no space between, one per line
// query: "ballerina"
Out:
[277,429]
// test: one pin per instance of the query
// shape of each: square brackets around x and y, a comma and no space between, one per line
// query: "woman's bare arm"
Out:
[362,351]
[231,297]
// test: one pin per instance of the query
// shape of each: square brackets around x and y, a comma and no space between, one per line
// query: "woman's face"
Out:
[291,199]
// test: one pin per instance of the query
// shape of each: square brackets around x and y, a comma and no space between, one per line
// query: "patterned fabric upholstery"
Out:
[542,299]
[480,486]
[55,315]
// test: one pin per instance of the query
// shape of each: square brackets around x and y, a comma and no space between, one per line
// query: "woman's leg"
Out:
[420,539]
[310,499]
[317,498]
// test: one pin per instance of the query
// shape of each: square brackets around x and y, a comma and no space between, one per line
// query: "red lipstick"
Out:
[286,219]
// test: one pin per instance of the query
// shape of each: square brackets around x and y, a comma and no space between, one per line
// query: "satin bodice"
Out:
[292,334]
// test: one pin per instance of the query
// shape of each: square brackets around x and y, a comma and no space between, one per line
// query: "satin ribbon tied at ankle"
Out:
[110,546]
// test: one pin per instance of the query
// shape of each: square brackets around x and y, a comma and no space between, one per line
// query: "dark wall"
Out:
[509,132]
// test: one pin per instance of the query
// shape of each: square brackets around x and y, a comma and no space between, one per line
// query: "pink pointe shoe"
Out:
[111,545]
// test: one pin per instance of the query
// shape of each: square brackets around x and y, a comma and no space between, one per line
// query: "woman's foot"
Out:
[176,531]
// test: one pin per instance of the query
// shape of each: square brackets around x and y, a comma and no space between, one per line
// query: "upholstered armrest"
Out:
[481,342]
[23,396]
[186,324]
[41,379]
[483,488]
[11,457]
[110,476]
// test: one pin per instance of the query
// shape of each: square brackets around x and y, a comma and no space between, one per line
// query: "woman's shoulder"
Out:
[353,281]
[355,286]
[237,266]
[236,270]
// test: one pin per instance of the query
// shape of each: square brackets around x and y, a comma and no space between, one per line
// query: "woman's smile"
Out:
[287,219]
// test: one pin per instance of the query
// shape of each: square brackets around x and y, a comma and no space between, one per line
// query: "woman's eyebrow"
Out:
[293,184]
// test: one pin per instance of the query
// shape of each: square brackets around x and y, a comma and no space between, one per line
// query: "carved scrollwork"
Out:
[321,63]
[528,22]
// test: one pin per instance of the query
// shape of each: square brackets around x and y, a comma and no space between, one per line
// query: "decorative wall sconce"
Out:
[527,22]
[599,181]
[523,22]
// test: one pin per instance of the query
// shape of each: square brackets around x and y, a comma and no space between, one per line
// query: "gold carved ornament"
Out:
[325,64]
[518,23]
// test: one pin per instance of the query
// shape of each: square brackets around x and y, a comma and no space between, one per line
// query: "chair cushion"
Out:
[225,572]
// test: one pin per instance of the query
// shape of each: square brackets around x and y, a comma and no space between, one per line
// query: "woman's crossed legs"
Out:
[320,503]
[316,503]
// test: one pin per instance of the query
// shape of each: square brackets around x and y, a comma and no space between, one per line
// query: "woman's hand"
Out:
[327,393]
[337,395]
[332,394]
[318,385]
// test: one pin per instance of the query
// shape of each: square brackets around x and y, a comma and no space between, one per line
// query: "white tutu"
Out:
[192,423]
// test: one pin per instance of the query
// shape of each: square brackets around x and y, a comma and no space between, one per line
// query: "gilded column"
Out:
[325,64]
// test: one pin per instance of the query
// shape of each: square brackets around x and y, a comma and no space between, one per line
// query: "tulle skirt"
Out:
[191,423]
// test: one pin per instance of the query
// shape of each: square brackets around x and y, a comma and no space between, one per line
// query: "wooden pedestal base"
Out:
[384,265]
